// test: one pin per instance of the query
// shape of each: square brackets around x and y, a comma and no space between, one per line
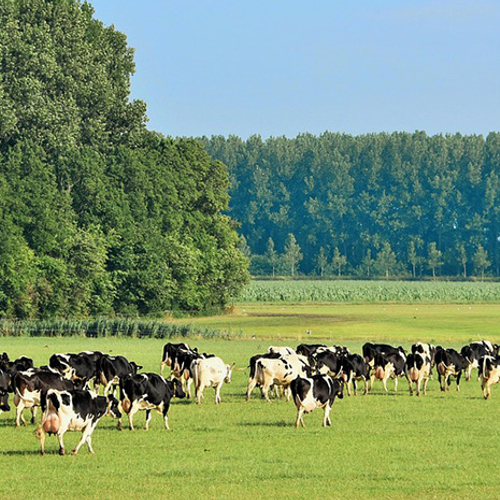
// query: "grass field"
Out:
[379,446]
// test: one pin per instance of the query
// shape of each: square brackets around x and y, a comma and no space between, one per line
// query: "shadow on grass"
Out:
[13,453]
[267,424]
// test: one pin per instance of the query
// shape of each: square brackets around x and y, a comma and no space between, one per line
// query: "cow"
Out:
[387,366]
[28,387]
[80,368]
[473,352]
[73,410]
[417,370]
[111,369]
[308,349]
[319,391]
[449,363]
[278,372]
[252,364]
[170,351]
[353,369]
[210,372]
[5,388]
[148,391]
[370,350]
[489,373]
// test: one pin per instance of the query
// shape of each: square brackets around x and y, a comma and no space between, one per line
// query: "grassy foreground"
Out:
[380,446]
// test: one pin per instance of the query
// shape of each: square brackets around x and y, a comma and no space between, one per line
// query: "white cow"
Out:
[210,372]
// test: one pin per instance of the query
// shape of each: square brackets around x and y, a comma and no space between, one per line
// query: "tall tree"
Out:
[480,260]
[292,254]
[338,261]
[434,258]
[272,255]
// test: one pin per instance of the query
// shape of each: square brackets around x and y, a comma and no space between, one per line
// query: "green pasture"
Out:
[379,446]
[436,323]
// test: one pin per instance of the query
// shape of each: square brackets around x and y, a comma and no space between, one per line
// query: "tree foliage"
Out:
[98,215]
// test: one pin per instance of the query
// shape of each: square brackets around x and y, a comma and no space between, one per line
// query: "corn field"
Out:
[371,291]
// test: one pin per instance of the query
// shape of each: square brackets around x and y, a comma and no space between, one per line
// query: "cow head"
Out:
[4,401]
[178,390]
[228,373]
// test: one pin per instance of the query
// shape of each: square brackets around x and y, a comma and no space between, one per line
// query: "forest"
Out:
[99,216]
[385,205]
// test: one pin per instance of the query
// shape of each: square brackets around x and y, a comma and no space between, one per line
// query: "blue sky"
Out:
[289,67]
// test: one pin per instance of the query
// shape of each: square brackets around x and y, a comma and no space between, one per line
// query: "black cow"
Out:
[28,387]
[318,391]
[148,391]
[73,410]
[5,388]
[370,350]
[81,368]
[308,349]
[111,369]
[449,363]
[355,368]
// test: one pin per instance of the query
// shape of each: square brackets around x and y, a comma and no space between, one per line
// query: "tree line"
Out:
[400,204]
[99,216]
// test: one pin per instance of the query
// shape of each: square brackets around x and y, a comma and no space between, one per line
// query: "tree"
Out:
[480,260]
[462,258]
[338,261]
[386,260]
[413,258]
[292,255]
[434,258]
[322,261]
[271,255]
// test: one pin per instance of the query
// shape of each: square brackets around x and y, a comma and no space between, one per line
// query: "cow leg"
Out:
[355,387]
[133,410]
[372,379]
[384,381]
[458,381]
[86,437]
[300,418]
[396,384]
[148,419]
[199,395]
[366,385]
[326,420]
[419,382]
[410,385]
[287,392]
[468,372]
[217,392]
[265,391]
[33,414]
[19,413]
[252,382]
[426,379]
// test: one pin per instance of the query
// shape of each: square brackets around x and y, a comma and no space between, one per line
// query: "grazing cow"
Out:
[73,410]
[170,352]
[417,369]
[210,372]
[4,391]
[148,391]
[252,364]
[473,352]
[449,363]
[388,366]
[489,373]
[181,367]
[283,351]
[328,362]
[29,386]
[111,369]
[319,391]
[278,372]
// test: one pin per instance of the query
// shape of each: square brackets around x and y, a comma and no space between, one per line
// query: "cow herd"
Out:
[312,375]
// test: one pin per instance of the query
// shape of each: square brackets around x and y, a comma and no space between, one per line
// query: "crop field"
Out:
[379,446]
[345,291]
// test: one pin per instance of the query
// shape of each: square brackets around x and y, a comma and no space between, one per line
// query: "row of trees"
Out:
[99,216]
[383,264]
[360,197]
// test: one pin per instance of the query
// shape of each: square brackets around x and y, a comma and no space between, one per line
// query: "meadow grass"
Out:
[379,446]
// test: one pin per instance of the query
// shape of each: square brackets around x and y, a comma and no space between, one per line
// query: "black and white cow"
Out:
[319,391]
[449,363]
[73,410]
[473,352]
[170,352]
[112,369]
[29,386]
[388,365]
[417,370]
[308,349]
[370,350]
[80,368]
[489,373]
[252,364]
[355,368]
[148,391]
